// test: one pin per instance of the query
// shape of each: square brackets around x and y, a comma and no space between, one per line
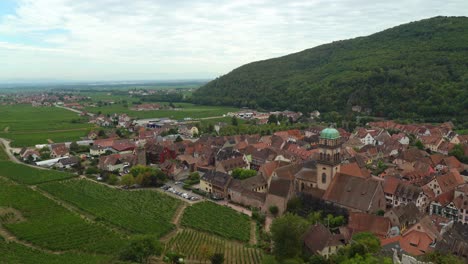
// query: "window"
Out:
[324,178]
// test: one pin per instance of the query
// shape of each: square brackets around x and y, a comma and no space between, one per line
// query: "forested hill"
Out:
[412,70]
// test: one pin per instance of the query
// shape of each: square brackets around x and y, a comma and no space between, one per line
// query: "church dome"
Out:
[329,133]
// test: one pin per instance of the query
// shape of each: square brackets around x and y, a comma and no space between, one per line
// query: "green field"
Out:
[143,212]
[27,125]
[187,110]
[27,175]
[13,253]
[220,220]
[190,242]
[49,225]
[3,155]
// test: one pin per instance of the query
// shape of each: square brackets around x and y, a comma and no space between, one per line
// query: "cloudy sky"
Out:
[182,39]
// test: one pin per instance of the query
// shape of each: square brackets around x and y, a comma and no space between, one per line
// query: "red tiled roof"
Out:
[362,222]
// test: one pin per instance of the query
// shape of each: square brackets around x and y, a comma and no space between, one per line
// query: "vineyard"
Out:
[13,253]
[192,243]
[48,225]
[220,220]
[27,175]
[144,212]
[3,155]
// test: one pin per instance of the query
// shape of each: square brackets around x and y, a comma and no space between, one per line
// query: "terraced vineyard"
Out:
[13,253]
[27,175]
[190,243]
[42,222]
[144,212]
[220,220]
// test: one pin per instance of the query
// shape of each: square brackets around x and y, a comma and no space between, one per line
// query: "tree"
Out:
[239,173]
[369,242]
[141,249]
[101,133]
[179,139]
[112,179]
[127,180]
[74,147]
[273,210]
[234,121]
[419,144]
[147,176]
[441,258]
[459,153]
[272,119]
[287,232]
[217,258]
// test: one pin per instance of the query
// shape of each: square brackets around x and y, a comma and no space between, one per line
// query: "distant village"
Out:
[397,181]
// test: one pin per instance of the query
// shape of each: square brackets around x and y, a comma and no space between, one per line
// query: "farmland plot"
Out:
[144,212]
[27,175]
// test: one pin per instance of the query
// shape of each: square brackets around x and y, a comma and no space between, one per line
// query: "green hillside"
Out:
[414,70]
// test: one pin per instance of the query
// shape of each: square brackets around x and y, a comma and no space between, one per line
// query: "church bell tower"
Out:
[329,160]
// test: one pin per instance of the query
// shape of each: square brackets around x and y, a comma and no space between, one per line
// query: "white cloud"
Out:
[127,39]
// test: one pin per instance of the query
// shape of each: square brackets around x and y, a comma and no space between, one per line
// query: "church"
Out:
[323,179]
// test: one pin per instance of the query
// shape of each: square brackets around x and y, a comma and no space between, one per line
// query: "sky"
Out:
[79,40]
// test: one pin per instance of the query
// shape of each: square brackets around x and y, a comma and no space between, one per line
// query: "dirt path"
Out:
[176,222]
[13,158]
[253,233]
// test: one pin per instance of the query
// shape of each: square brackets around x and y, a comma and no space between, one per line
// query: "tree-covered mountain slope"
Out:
[418,69]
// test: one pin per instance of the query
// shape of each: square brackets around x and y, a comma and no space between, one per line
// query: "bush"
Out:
[140,250]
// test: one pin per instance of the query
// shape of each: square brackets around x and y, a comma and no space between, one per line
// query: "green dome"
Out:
[329,133]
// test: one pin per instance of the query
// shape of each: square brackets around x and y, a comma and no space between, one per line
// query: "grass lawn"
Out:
[143,212]
[220,220]
[27,125]
[44,223]
[27,175]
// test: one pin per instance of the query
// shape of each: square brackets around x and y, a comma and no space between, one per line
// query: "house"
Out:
[29,153]
[454,241]
[460,202]
[318,240]
[417,240]
[228,165]
[92,134]
[356,193]
[123,146]
[280,191]
[364,222]
[215,183]
[406,193]
[67,163]
[403,216]
[240,193]
[116,162]
[58,150]
[432,142]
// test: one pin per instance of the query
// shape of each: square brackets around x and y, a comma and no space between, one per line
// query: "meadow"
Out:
[42,222]
[27,175]
[142,212]
[186,110]
[192,243]
[220,220]
[27,125]
[13,253]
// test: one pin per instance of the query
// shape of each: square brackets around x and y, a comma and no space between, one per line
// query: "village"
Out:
[401,182]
